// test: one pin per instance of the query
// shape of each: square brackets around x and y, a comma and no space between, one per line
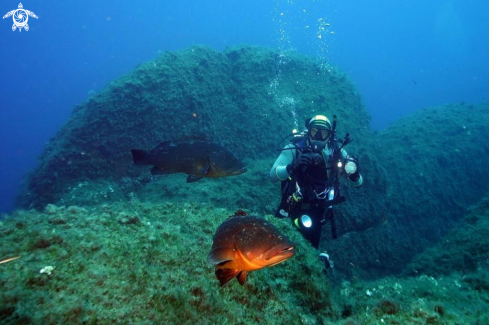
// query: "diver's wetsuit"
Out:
[314,187]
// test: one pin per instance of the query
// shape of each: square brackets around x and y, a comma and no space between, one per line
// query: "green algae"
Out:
[464,249]
[225,96]
[130,248]
[145,263]
[421,175]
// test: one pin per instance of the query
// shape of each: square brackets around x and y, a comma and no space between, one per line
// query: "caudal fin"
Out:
[138,156]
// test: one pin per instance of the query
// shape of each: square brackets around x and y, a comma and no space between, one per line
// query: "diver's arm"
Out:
[279,169]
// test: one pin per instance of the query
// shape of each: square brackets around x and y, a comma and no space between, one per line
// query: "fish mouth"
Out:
[280,254]
[238,171]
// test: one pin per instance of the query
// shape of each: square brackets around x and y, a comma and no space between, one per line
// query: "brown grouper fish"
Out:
[247,243]
[195,158]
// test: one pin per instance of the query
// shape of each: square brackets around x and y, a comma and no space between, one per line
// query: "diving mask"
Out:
[318,134]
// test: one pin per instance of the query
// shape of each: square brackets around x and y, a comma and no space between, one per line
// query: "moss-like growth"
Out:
[231,97]
[155,271]
[420,174]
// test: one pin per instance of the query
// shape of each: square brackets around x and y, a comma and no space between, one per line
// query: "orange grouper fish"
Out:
[243,244]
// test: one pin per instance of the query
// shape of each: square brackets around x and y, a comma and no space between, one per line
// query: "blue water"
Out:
[403,55]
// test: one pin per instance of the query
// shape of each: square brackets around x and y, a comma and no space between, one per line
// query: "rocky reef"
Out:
[464,249]
[145,263]
[421,174]
[242,98]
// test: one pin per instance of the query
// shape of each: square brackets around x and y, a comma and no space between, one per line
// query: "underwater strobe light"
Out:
[350,167]
[304,221]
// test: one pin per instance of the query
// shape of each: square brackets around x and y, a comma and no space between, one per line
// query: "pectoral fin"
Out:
[220,255]
[206,168]
[226,275]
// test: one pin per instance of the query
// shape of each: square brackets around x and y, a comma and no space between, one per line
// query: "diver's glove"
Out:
[302,161]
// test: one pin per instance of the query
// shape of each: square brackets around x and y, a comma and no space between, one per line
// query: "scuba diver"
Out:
[309,169]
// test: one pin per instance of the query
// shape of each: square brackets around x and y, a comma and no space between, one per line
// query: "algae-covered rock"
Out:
[241,98]
[464,249]
[85,266]
[419,174]
[153,271]
[424,170]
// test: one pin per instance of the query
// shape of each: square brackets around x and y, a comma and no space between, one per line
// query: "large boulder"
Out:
[245,98]
[422,174]
[465,249]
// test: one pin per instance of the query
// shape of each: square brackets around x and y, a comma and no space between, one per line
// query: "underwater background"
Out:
[89,81]
[402,56]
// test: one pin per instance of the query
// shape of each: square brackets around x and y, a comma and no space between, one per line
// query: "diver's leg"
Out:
[329,215]
[313,235]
